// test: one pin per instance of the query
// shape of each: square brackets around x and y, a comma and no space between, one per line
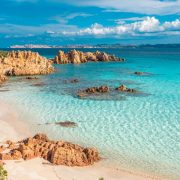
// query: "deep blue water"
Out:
[136,132]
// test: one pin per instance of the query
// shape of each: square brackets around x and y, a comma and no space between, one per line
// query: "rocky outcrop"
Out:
[123,88]
[56,152]
[93,90]
[17,63]
[77,57]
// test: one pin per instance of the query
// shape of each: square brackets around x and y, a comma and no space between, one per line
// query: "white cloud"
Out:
[175,25]
[123,20]
[136,6]
[64,18]
[147,26]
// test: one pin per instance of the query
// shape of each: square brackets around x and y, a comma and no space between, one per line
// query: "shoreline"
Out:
[41,169]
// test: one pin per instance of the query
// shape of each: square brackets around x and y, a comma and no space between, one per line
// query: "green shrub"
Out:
[3,173]
[3,53]
[101,178]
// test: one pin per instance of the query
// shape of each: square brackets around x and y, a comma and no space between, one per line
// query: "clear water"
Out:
[136,132]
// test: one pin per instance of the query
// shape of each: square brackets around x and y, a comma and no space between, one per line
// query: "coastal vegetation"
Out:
[3,54]
[3,173]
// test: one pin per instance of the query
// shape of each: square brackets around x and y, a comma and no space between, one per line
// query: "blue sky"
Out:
[60,22]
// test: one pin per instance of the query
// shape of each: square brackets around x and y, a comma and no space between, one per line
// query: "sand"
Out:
[11,128]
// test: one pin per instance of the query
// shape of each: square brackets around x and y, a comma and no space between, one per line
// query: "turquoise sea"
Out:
[135,132]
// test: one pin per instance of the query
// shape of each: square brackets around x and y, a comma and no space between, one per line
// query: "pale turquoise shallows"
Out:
[139,132]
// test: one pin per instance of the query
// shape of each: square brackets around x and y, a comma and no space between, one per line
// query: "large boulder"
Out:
[56,152]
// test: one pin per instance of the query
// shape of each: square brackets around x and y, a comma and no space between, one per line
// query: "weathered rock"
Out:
[5,156]
[42,137]
[61,58]
[101,89]
[2,163]
[2,149]
[16,155]
[92,90]
[24,63]
[57,152]
[77,57]
[123,88]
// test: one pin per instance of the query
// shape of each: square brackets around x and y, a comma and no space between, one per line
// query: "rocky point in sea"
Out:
[17,63]
[56,152]
[77,57]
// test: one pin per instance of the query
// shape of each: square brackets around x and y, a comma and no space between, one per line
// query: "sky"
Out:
[67,22]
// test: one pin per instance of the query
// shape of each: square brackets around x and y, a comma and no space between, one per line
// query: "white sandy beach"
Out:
[38,169]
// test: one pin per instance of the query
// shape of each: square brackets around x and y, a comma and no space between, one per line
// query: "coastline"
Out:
[13,129]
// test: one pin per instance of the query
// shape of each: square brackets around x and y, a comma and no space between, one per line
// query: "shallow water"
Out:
[136,132]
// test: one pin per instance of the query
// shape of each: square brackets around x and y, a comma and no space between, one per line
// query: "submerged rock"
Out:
[71,81]
[77,57]
[41,84]
[139,73]
[56,152]
[31,78]
[66,124]
[74,81]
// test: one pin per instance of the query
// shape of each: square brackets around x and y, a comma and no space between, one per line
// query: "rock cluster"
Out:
[103,89]
[125,89]
[17,63]
[93,90]
[77,57]
[56,152]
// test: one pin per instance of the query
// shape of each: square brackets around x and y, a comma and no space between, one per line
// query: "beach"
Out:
[131,119]
[14,129]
